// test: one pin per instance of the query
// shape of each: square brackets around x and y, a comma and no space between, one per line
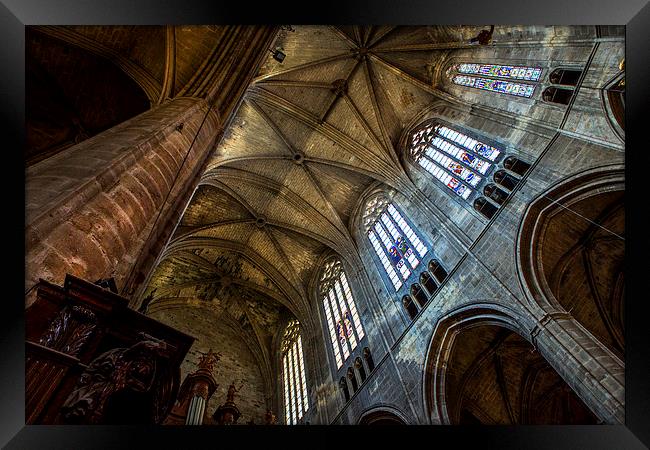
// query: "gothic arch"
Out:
[613,101]
[567,263]
[505,380]
[382,415]
[442,341]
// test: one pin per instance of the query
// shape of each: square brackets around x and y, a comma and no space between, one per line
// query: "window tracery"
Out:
[457,160]
[397,246]
[341,313]
[487,77]
[296,402]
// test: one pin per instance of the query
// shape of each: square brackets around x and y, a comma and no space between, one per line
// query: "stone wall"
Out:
[237,362]
[482,255]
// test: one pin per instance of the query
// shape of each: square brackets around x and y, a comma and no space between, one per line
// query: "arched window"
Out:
[458,161]
[353,379]
[344,388]
[496,194]
[426,280]
[567,77]
[491,74]
[409,306]
[516,165]
[296,402]
[358,364]
[505,179]
[484,207]
[368,357]
[340,311]
[437,270]
[396,244]
[418,294]
[557,95]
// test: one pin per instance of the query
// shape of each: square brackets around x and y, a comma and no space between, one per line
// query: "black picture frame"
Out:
[16,14]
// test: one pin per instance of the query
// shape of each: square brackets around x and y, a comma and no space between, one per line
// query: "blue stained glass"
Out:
[402,245]
[505,87]
[348,323]
[486,150]
[340,330]
[394,255]
[503,71]
[457,187]
[467,158]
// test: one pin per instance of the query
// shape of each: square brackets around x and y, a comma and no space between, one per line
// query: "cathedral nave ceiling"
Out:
[311,135]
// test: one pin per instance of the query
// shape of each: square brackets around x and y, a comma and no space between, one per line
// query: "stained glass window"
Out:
[455,159]
[488,84]
[502,71]
[343,321]
[296,402]
[398,247]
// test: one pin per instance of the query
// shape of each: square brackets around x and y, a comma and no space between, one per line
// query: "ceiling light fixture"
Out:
[278,54]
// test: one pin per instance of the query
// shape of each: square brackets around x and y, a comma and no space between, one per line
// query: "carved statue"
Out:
[484,37]
[230,398]
[145,303]
[270,418]
[208,360]
[137,368]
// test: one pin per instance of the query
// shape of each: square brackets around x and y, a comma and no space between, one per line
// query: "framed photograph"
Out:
[374,215]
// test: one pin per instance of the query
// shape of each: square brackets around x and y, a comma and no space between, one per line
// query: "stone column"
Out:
[107,206]
[91,208]
[593,372]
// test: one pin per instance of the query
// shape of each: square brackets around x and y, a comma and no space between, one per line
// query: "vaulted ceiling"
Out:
[312,134]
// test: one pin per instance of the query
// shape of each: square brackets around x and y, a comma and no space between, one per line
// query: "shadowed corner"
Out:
[12,360]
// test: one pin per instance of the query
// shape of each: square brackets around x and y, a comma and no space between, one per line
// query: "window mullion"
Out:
[419,245]
[455,151]
[342,321]
[294,400]
[403,234]
[289,404]
[337,318]
[296,374]
[342,301]
[383,257]
[491,153]
[355,314]
[388,244]
[332,329]
[301,361]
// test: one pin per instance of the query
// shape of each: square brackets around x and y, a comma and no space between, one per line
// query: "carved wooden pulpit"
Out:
[90,359]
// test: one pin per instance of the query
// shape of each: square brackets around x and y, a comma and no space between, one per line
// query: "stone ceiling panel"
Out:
[313,143]
[342,187]
[405,98]
[304,45]
[418,64]
[345,120]
[314,100]
[324,72]
[237,232]
[301,252]
[209,205]
[249,135]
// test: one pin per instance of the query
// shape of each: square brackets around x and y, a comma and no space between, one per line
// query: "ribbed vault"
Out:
[312,134]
